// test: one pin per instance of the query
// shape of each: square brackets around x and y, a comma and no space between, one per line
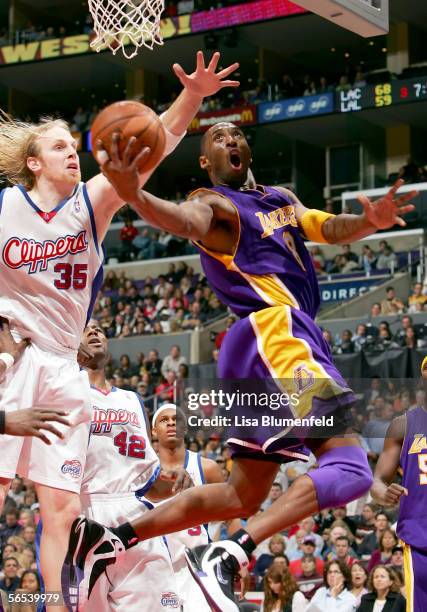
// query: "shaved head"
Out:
[208,134]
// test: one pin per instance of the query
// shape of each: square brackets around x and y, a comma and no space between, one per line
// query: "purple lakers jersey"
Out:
[271,266]
[412,522]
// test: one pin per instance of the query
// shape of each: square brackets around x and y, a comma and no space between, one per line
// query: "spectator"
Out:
[360,337]
[367,259]
[29,534]
[276,546]
[173,360]
[11,579]
[335,594]
[384,592]
[308,547]
[375,430]
[212,447]
[417,296]
[391,304]
[275,492]
[372,541]
[359,580]
[375,309]
[30,582]
[11,526]
[366,521]
[344,552]
[328,338]
[280,592]
[287,88]
[280,562]
[324,88]
[220,337]
[127,235]
[400,336]
[16,491]
[346,250]
[387,260]
[410,172]
[309,579]
[396,561]
[347,345]
[382,555]
[79,120]
[318,259]
[142,244]
[310,90]
[343,84]
[153,365]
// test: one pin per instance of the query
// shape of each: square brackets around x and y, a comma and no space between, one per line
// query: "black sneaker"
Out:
[215,567]
[91,549]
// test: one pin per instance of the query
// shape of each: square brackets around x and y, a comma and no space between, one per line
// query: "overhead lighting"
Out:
[346,54]
[371,43]
[384,49]
[333,49]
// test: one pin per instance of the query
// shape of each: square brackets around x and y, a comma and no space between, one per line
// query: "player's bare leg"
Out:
[58,511]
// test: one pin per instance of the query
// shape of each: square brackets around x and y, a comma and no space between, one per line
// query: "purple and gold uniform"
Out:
[270,282]
[412,521]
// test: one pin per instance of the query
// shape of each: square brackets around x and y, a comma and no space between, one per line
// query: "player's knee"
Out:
[343,475]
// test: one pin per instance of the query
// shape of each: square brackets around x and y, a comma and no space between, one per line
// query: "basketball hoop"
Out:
[126,23]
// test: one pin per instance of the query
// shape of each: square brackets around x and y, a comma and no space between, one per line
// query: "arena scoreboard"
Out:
[381,95]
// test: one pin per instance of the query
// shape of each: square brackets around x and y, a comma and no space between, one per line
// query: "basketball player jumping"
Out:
[405,444]
[253,254]
[52,225]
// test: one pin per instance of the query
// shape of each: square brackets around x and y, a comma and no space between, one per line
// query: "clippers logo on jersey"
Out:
[72,467]
[19,252]
[103,420]
[170,600]
[304,378]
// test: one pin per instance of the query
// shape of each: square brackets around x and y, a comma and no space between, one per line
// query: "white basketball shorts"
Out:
[42,379]
[144,579]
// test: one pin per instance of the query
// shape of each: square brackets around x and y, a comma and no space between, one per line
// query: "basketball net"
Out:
[126,25]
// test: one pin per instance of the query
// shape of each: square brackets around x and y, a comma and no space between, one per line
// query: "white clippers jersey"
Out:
[195,536]
[50,267]
[120,458]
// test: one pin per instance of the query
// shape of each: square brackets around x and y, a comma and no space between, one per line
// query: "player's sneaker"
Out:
[215,567]
[91,549]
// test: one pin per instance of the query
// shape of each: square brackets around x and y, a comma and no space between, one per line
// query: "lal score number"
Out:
[384,94]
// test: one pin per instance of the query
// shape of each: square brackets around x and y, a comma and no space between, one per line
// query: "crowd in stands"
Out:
[385,259]
[176,301]
[379,337]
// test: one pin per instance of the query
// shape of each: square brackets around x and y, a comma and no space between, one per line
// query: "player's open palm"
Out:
[205,81]
[388,210]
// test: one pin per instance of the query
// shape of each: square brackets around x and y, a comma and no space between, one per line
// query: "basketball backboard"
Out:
[364,17]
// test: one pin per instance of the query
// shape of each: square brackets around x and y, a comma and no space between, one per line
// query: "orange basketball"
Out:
[131,118]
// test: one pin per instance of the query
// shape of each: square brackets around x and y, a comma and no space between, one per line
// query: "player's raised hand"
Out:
[205,81]
[388,210]
[393,494]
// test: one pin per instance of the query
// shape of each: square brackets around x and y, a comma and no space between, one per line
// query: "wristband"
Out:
[2,421]
[311,223]
[7,359]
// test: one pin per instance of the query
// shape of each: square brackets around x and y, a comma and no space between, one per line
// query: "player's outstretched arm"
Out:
[384,491]
[203,81]
[191,219]
[344,228]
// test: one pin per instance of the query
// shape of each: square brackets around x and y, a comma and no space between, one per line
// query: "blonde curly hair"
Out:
[18,141]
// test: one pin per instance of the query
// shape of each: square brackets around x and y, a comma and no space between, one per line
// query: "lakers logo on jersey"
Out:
[19,252]
[419,444]
[304,378]
[276,219]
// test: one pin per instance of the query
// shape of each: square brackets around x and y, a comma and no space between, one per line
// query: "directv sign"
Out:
[293,108]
